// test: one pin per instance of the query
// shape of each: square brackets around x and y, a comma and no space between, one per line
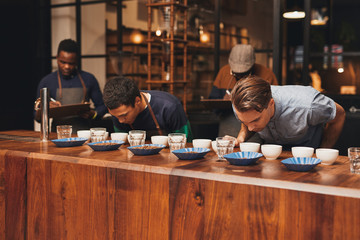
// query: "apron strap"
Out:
[152,114]
[82,83]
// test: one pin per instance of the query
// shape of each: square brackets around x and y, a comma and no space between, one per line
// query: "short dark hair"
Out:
[68,45]
[120,91]
[251,93]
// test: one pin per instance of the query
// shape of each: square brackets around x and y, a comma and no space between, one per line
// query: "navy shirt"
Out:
[168,112]
[50,81]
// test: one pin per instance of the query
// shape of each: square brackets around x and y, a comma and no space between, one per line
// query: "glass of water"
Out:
[224,145]
[64,131]
[97,134]
[354,158]
[176,141]
[136,137]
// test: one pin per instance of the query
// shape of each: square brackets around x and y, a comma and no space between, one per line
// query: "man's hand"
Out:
[243,135]
[54,104]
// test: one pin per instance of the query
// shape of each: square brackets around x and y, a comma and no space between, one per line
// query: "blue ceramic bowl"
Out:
[146,149]
[69,142]
[108,145]
[191,153]
[242,158]
[301,164]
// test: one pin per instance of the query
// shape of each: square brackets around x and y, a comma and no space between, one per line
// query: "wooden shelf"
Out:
[168,62]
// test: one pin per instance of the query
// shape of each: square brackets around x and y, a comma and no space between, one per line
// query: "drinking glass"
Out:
[354,157]
[97,134]
[136,137]
[224,145]
[64,131]
[176,141]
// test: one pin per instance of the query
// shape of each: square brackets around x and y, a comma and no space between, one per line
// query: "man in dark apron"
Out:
[156,112]
[69,85]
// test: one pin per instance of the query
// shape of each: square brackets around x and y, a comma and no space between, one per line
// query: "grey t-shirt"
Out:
[300,115]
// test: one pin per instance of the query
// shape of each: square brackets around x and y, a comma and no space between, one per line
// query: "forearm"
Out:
[331,134]
[333,129]
[244,134]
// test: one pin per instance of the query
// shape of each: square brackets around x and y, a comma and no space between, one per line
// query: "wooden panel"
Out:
[236,211]
[187,205]
[69,201]
[2,194]
[76,193]
[142,205]
[15,194]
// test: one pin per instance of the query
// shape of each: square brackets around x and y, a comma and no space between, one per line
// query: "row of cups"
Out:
[178,140]
[272,151]
[135,137]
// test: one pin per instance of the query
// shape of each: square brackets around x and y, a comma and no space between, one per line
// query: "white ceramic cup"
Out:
[201,143]
[213,145]
[302,151]
[249,147]
[271,151]
[83,134]
[121,136]
[158,139]
[327,155]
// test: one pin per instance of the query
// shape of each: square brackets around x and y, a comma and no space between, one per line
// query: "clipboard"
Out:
[69,110]
[216,103]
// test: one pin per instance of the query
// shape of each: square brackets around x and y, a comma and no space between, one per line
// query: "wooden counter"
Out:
[48,192]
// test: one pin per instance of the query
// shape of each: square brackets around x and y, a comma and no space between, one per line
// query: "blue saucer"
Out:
[146,149]
[242,158]
[301,164]
[108,145]
[191,153]
[69,142]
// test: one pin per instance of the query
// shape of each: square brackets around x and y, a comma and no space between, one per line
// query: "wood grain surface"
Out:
[48,192]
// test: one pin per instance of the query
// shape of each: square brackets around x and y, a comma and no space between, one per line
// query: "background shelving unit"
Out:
[171,45]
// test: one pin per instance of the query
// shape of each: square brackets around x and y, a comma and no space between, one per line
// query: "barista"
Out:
[68,85]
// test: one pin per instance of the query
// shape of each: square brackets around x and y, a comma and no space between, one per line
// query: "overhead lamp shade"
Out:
[293,11]
[294,14]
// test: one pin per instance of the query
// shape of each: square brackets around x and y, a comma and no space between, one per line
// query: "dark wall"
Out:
[22,67]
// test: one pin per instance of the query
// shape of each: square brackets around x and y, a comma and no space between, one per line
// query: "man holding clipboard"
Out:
[71,89]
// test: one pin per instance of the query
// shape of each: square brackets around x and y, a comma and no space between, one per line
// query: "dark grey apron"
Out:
[68,96]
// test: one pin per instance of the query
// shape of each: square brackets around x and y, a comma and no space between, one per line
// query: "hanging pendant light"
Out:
[294,13]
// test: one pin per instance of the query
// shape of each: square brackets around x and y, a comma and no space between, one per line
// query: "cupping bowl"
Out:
[107,145]
[146,149]
[301,164]
[191,153]
[242,158]
[327,155]
[69,142]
